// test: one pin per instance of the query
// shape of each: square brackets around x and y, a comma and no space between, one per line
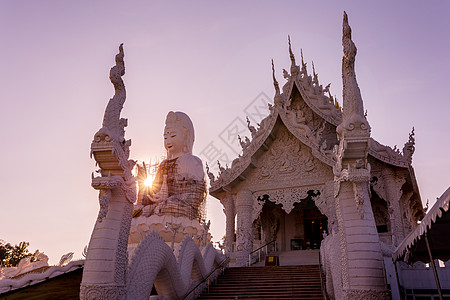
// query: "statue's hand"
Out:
[148,210]
[157,198]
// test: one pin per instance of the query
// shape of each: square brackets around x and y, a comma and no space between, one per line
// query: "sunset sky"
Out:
[209,59]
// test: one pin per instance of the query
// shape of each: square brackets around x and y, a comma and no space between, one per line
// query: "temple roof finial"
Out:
[304,70]
[409,147]
[294,67]
[315,75]
[291,54]
[275,82]
[277,99]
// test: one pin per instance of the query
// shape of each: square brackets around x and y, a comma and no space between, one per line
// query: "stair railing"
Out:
[322,285]
[223,265]
[264,249]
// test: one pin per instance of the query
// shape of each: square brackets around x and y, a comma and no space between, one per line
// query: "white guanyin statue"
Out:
[174,206]
[179,188]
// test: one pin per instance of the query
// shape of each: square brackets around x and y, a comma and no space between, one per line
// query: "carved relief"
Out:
[301,115]
[244,238]
[287,198]
[289,160]
[315,95]
[393,155]
[102,292]
[408,220]
[343,245]
[359,193]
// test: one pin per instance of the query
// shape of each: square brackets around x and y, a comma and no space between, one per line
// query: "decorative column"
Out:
[230,214]
[244,234]
[362,269]
[393,192]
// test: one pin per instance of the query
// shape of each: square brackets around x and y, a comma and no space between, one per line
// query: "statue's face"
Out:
[174,141]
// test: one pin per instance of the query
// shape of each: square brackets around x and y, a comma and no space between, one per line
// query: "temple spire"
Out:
[275,82]
[277,99]
[294,67]
[304,70]
[315,75]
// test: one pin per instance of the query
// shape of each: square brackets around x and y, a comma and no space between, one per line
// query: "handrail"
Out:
[262,246]
[324,290]
[259,249]
[222,263]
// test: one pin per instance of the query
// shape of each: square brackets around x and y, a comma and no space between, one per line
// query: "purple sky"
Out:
[209,60]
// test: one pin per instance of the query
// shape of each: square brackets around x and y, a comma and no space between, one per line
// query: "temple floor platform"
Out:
[294,258]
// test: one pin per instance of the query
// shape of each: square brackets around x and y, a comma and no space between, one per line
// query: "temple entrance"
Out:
[315,223]
[300,229]
[314,229]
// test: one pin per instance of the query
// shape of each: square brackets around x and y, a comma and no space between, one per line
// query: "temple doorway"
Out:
[300,229]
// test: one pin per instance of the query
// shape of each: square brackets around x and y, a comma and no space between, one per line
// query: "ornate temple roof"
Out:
[311,114]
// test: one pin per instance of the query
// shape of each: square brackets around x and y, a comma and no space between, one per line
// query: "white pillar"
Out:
[244,234]
[393,191]
[230,214]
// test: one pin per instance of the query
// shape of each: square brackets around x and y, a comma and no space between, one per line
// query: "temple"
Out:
[312,176]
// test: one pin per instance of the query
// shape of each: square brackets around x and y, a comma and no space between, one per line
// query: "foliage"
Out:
[10,256]
[5,250]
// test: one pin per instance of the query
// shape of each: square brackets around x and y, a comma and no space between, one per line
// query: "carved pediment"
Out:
[287,163]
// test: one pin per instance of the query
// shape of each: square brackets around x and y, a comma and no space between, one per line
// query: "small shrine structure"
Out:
[312,175]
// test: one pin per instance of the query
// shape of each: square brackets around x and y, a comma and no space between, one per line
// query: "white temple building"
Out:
[309,177]
[312,176]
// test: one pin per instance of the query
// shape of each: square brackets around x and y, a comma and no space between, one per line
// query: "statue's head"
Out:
[178,134]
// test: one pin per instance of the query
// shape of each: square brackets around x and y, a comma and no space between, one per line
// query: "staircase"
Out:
[288,282]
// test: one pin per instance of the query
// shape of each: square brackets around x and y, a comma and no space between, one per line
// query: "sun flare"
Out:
[148,181]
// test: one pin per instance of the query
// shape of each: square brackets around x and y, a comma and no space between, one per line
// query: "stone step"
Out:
[260,287]
[302,296]
[289,282]
[268,278]
[225,282]
[268,283]
[287,273]
[315,291]
[298,297]
[265,293]
[272,270]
